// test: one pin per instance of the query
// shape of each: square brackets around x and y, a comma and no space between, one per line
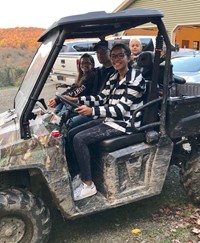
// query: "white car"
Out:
[187,67]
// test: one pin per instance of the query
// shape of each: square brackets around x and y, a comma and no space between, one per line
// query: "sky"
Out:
[43,13]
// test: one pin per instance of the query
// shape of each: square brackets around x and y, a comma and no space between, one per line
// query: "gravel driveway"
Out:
[116,225]
[8,95]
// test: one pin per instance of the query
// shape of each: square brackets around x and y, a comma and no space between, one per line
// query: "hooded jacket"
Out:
[118,100]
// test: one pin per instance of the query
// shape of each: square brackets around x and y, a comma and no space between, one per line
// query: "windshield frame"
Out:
[34,81]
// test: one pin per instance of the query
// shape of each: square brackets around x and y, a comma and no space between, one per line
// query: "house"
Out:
[181,18]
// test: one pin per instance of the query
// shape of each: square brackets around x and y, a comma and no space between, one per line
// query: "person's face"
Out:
[103,55]
[135,47]
[85,64]
[119,59]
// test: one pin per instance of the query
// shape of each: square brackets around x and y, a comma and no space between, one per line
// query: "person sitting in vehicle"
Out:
[135,46]
[114,106]
[84,84]
[102,74]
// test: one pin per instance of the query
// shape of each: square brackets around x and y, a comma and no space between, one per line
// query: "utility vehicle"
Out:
[33,167]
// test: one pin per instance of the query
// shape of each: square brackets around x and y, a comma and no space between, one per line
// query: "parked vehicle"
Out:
[128,168]
[64,70]
[184,52]
[188,67]
[65,67]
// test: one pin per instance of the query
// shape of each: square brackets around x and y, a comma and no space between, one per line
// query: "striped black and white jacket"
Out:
[118,100]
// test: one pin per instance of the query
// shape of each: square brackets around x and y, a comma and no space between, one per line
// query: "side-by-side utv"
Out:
[125,169]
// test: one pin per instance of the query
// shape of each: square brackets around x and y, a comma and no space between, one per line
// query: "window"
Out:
[196,45]
[185,43]
[81,47]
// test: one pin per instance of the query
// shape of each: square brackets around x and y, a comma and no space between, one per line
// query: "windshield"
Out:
[33,74]
[186,64]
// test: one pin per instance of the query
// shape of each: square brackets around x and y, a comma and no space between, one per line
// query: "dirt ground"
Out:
[167,218]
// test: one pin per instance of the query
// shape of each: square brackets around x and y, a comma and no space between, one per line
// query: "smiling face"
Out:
[85,64]
[119,59]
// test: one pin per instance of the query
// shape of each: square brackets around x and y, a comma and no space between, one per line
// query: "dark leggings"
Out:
[83,136]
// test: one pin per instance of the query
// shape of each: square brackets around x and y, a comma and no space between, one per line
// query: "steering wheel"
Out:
[67,102]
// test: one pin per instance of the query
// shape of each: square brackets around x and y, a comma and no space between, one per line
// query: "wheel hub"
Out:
[11,229]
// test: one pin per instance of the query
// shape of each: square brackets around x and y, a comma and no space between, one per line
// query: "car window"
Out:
[82,47]
[91,46]
[65,48]
[78,47]
[186,64]
[145,42]
[113,42]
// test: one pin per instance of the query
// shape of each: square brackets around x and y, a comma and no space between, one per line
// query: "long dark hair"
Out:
[81,76]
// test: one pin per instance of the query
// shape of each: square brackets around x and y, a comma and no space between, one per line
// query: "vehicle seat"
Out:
[145,61]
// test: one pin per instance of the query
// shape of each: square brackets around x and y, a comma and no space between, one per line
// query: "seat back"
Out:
[146,63]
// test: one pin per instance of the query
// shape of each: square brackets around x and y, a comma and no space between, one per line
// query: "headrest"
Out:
[145,59]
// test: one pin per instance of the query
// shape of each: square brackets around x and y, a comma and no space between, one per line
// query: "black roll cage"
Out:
[99,25]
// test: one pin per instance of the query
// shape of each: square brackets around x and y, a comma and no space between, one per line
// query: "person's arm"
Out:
[132,95]
[100,99]
[85,88]
[97,100]
[55,101]
[69,89]
[52,103]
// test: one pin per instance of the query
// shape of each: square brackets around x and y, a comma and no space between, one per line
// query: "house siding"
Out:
[176,12]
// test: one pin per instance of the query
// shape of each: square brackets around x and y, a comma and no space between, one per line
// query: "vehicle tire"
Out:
[190,178]
[23,218]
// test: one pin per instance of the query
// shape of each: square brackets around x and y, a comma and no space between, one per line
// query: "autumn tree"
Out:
[17,48]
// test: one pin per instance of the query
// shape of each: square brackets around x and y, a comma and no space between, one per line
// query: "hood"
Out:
[9,129]
[190,77]
[6,117]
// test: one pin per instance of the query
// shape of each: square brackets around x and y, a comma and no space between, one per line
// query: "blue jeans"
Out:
[78,120]
[60,109]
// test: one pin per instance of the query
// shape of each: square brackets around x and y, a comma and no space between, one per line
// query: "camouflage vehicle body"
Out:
[126,169]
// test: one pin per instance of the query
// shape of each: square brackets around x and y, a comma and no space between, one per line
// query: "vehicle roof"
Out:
[101,24]
[188,57]
[185,52]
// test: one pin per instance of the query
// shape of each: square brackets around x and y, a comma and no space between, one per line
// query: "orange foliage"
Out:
[20,38]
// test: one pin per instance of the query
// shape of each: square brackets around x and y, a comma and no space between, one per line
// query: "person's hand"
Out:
[74,99]
[84,110]
[52,103]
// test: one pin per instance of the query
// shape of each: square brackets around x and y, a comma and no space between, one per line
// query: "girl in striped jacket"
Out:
[115,104]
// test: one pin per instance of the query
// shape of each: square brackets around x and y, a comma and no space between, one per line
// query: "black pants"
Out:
[79,139]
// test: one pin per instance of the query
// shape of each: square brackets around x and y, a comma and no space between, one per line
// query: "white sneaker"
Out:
[84,191]
[76,181]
